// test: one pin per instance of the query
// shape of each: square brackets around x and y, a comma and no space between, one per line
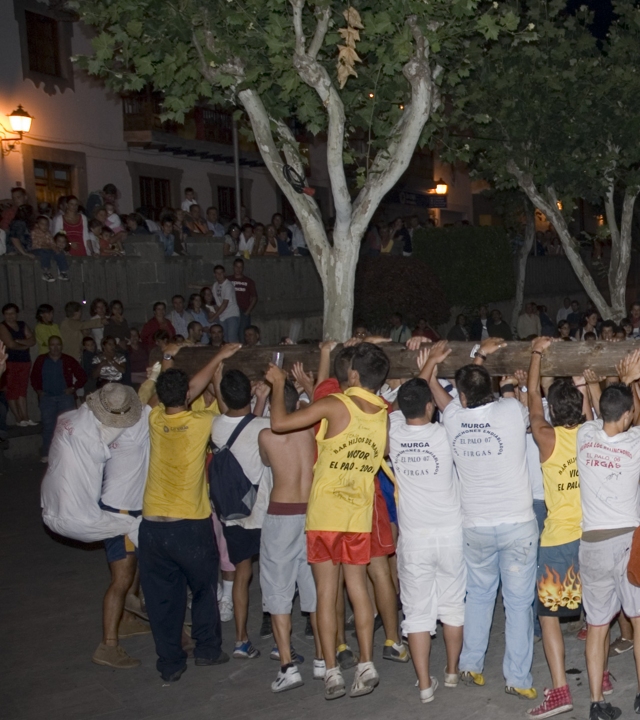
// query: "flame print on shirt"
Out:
[555,594]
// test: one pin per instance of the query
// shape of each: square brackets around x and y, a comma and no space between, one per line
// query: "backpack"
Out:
[232,493]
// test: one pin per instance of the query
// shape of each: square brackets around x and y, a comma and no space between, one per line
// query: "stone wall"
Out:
[289,288]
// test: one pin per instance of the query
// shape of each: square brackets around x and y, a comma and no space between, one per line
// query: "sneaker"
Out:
[556,701]
[525,693]
[472,678]
[23,423]
[266,631]
[295,657]
[451,679]
[346,657]
[365,680]
[175,676]
[245,651]
[397,653]
[63,276]
[225,606]
[308,629]
[620,646]
[47,276]
[132,626]
[607,687]
[319,669]
[636,705]
[113,656]
[582,633]
[287,680]
[427,695]
[603,711]
[334,686]
[220,660]
[30,423]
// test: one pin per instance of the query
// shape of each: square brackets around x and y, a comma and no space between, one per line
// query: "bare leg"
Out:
[596,653]
[122,575]
[229,575]
[282,633]
[635,623]
[340,612]
[626,626]
[15,410]
[553,644]
[244,572]
[22,408]
[326,576]
[316,637]
[453,635]
[420,646]
[385,595]
[355,577]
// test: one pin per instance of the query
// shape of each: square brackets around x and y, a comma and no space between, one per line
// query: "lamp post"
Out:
[20,122]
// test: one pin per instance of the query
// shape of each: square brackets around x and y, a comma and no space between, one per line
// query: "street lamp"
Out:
[20,122]
[441,187]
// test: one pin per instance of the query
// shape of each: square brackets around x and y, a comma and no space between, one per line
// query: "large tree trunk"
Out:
[529,237]
[338,283]
[620,249]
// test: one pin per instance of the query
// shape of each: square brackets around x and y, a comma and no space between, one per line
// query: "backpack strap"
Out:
[241,426]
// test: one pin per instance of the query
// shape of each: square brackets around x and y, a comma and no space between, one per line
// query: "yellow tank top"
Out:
[341,498]
[562,491]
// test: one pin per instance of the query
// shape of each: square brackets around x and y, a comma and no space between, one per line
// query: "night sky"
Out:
[603,14]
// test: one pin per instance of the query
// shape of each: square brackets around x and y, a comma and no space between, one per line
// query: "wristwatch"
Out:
[167,356]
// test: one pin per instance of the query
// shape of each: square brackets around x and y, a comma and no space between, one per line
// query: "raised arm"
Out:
[428,360]
[629,373]
[543,433]
[488,347]
[203,377]
[593,386]
[324,367]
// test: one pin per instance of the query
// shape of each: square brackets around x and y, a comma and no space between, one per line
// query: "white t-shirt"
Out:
[429,501]
[186,204]
[246,245]
[246,451]
[563,314]
[489,450]
[125,473]
[223,292]
[609,469]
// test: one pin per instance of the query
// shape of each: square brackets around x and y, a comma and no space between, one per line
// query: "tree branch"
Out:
[323,15]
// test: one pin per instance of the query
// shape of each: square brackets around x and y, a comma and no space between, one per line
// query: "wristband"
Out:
[583,385]
[523,388]
[508,387]
[536,352]
[481,355]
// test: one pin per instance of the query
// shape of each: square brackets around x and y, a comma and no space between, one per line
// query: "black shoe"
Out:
[636,705]
[174,677]
[220,660]
[266,631]
[604,711]
[308,630]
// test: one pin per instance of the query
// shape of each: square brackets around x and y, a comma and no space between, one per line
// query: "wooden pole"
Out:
[561,359]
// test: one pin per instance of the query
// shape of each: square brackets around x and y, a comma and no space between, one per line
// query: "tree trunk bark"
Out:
[338,284]
[529,237]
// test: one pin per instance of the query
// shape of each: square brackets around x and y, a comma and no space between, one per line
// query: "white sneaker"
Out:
[334,686]
[226,609]
[219,592]
[23,423]
[319,669]
[365,679]
[30,423]
[287,680]
[451,679]
[427,695]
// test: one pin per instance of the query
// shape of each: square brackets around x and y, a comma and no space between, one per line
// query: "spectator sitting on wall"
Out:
[298,242]
[246,241]
[18,198]
[213,222]
[117,327]
[252,336]
[227,311]
[43,247]
[157,322]
[246,294]
[136,225]
[564,331]
[189,199]
[278,223]
[231,240]
[109,245]
[459,331]
[19,233]
[152,225]
[400,333]
[258,235]
[109,365]
[574,318]
[198,223]
[634,318]
[564,311]
[179,317]
[200,314]
[113,220]
[497,327]
[76,225]
[529,325]
[61,241]
[387,245]
[18,339]
[207,299]
[283,241]
[45,327]
[216,334]
[180,232]
[589,325]
[480,326]
[95,230]
[166,236]
[423,329]
[108,194]
[270,247]
[546,323]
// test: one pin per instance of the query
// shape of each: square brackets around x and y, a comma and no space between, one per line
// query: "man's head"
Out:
[635,311]
[89,344]
[55,347]
[567,303]
[575,306]
[360,331]
[247,230]
[474,386]
[166,225]
[196,212]
[291,397]
[238,267]
[212,214]
[189,193]
[172,388]
[110,193]
[342,363]
[415,399]
[396,320]
[219,273]
[73,310]
[18,196]
[616,405]
[159,310]
[42,223]
[195,331]
[483,311]
[608,331]
[565,404]
[216,334]
[496,317]
[252,335]
[277,221]
[369,367]
[235,388]
[95,226]
[44,313]
[178,304]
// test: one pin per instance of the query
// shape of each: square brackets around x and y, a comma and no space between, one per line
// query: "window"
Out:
[155,194]
[227,201]
[42,44]
[52,180]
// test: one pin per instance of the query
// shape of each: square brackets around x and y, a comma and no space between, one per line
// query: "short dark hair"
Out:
[71,308]
[413,398]
[10,306]
[609,324]
[172,387]
[372,365]
[113,303]
[615,401]
[158,304]
[235,388]
[239,260]
[475,382]
[565,403]
[161,335]
[189,189]
[106,230]
[342,363]
[110,189]
[177,297]
[94,305]
[94,223]
[18,189]
[255,329]
[291,396]
[192,324]
[87,339]
[43,308]
[219,267]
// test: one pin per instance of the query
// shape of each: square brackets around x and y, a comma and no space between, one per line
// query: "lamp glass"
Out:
[20,120]
[441,188]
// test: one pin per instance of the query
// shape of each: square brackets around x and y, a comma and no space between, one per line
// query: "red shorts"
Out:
[340,547]
[17,380]
[381,537]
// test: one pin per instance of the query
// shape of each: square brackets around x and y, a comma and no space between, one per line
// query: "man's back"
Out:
[291,459]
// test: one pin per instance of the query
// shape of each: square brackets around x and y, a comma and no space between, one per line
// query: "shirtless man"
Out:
[283,549]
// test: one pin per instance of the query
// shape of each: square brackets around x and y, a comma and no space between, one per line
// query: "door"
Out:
[53,180]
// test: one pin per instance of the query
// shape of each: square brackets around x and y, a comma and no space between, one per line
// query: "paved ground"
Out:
[50,604]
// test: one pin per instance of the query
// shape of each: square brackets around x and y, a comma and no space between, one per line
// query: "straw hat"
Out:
[115,405]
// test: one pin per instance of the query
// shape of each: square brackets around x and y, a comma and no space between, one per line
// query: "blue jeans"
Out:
[506,553]
[50,407]
[46,256]
[540,511]
[171,556]
[230,327]
[243,323]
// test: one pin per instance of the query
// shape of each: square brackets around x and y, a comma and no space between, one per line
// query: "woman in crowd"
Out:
[18,338]
[75,225]
[589,325]
[109,365]
[45,328]
[117,326]
[207,299]
[200,314]
[137,358]
[271,246]
[386,241]
[231,240]
[459,330]
[564,331]
[19,232]
[180,232]
[98,309]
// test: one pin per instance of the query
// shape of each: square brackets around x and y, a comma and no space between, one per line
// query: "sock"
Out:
[388,643]
[284,668]
[342,647]
[227,588]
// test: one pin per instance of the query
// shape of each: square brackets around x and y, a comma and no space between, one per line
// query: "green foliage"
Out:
[474,264]
[397,284]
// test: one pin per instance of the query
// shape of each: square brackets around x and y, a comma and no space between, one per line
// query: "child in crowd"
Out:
[166,236]
[44,248]
[189,199]
[109,246]
[95,229]
[45,328]
[113,221]
[61,241]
